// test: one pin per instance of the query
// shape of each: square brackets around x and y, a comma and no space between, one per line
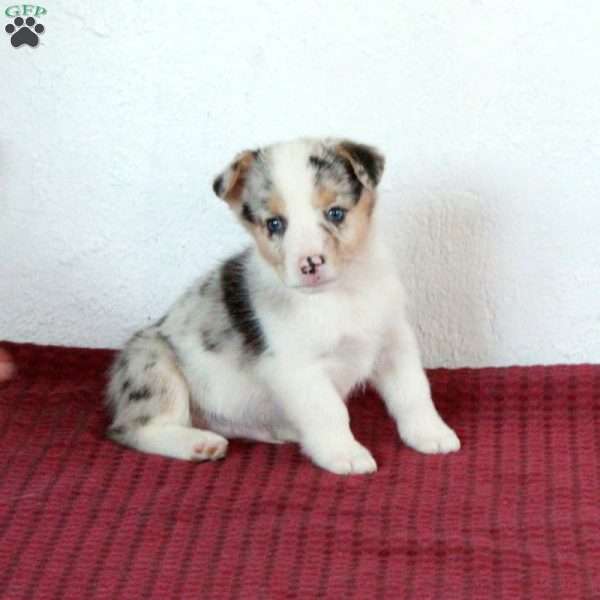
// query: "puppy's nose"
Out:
[311,264]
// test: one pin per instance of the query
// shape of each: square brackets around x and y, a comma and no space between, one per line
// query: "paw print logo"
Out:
[24,32]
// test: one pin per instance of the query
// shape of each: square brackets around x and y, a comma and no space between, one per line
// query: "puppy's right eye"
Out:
[275,225]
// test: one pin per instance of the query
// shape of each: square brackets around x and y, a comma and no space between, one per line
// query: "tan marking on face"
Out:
[266,245]
[324,198]
[276,205]
[350,238]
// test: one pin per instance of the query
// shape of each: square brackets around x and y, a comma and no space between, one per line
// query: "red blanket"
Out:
[516,513]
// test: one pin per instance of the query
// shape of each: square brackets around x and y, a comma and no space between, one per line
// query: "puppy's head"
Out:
[308,204]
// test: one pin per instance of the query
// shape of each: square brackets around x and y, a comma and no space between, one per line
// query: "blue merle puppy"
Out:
[269,345]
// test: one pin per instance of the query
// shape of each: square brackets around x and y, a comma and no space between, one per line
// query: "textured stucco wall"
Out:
[488,112]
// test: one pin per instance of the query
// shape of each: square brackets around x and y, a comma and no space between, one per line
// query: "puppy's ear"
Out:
[229,185]
[367,162]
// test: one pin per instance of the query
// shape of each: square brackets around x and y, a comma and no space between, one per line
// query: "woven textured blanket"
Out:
[514,514]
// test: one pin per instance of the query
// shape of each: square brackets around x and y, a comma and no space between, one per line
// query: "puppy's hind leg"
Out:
[150,401]
[176,441]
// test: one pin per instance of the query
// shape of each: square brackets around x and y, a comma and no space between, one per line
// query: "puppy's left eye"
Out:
[336,214]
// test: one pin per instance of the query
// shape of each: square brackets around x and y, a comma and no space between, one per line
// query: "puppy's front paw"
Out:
[431,438]
[353,460]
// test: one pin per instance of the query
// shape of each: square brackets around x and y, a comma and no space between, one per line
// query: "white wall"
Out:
[489,113]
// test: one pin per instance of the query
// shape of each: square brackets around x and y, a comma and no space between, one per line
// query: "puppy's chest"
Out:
[351,357]
[344,332]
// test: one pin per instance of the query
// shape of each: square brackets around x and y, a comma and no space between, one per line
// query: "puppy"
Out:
[269,345]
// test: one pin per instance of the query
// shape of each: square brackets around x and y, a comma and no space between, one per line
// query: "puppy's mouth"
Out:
[314,285]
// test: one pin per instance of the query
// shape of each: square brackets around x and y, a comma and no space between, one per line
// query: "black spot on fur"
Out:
[319,163]
[213,341]
[142,393]
[218,185]
[247,214]
[126,385]
[208,341]
[239,304]
[122,363]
